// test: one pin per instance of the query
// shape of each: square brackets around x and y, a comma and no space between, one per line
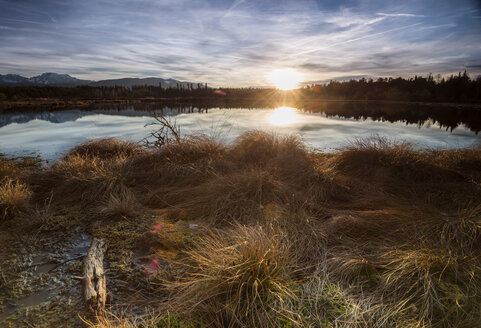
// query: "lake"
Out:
[325,127]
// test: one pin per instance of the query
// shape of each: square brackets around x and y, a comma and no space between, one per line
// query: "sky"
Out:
[239,43]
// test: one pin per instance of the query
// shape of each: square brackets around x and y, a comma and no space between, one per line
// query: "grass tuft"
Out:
[381,158]
[80,178]
[244,275]
[436,285]
[463,233]
[233,197]
[105,149]
[123,204]
[13,197]
[106,319]
[258,147]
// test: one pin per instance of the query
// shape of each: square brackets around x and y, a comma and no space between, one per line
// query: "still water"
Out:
[52,134]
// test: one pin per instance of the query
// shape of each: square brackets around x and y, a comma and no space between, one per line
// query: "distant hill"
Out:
[65,80]
[153,81]
[44,79]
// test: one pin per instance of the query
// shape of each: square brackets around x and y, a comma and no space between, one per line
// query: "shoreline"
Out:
[59,104]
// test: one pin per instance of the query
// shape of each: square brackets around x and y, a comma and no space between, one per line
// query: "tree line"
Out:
[456,88]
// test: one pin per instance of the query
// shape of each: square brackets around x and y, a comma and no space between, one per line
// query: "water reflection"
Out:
[51,134]
[447,117]
[283,116]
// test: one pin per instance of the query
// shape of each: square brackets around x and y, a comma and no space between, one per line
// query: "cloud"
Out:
[237,43]
[362,37]
[399,15]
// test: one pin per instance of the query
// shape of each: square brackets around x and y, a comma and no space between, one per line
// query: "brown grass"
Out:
[80,179]
[242,277]
[13,197]
[380,234]
[234,197]
[438,284]
[106,319]
[465,160]
[8,169]
[258,147]
[105,149]
[380,157]
[124,204]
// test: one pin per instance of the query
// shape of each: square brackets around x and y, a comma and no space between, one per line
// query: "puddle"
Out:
[43,268]
[80,246]
[22,304]
[44,264]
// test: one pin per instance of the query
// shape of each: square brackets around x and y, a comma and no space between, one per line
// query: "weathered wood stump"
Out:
[94,285]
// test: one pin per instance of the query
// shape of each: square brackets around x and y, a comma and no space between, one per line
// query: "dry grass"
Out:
[351,267]
[463,232]
[258,147]
[80,179]
[378,235]
[107,319]
[17,168]
[110,320]
[194,170]
[438,286]
[124,204]
[105,149]
[242,277]
[13,197]
[8,169]
[233,197]
[463,160]
[88,174]
[380,157]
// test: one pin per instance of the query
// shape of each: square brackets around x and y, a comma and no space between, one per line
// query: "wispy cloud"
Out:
[237,43]
[21,21]
[356,39]
[399,15]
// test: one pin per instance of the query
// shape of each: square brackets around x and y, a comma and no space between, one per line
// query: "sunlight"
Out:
[285,78]
[283,116]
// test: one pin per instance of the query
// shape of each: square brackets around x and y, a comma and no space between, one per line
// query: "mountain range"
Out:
[65,80]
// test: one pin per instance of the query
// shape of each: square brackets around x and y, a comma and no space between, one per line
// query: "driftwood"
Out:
[93,280]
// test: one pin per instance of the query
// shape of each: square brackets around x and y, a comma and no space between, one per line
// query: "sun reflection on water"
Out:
[283,116]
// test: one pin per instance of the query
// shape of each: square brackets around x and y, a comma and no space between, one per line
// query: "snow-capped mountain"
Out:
[56,79]
[13,79]
[53,79]
[65,80]
[152,81]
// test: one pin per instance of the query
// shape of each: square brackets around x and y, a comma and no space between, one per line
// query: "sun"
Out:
[285,78]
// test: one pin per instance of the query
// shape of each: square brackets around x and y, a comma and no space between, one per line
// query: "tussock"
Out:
[80,178]
[437,285]
[105,149]
[123,204]
[260,147]
[13,197]
[234,197]
[380,157]
[242,277]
